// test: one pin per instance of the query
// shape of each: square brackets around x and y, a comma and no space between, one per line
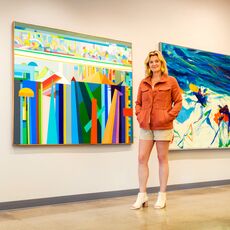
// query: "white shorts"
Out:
[156,135]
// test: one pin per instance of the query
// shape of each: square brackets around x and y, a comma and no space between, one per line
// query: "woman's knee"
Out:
[143,159]
[162,158]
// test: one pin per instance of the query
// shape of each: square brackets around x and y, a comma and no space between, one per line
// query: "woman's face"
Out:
[155,64]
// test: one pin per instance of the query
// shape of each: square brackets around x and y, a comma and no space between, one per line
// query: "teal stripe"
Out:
[103,114]
[52,137]
[75,137]
[89,124]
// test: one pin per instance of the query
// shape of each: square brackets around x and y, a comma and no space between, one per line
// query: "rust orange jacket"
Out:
[157,107]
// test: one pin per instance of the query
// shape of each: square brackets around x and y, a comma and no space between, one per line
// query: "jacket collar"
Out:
[164,78]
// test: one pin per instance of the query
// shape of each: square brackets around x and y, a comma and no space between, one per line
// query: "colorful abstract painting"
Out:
[204,78]
[71,88]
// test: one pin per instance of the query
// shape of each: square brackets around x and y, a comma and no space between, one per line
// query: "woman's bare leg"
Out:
[162,153]
[145,148]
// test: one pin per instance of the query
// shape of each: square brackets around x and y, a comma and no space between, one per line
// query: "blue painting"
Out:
[204,79]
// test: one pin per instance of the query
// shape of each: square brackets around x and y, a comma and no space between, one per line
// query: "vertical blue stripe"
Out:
[80,94]
[75,138]
[103,96]
[57,106]
[52,137]
[122,118]
[68,115]
[60,111]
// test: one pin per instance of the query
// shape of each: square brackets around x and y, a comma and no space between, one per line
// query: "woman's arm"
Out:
[138,101]
[177,99]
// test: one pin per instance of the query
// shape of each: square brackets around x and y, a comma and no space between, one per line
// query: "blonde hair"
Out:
[157,53]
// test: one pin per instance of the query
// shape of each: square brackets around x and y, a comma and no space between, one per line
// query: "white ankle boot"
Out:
[161,200]
[142,201]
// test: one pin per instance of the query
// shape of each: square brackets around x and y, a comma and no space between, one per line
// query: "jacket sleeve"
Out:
[177,99]
[138,101]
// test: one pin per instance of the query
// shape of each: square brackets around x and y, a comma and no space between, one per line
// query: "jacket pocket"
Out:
[168,118]
[163,98]
[161,118]
[139,116]
[146,98]
[143,117]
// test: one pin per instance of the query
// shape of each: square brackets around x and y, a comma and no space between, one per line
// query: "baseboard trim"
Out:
[93,196]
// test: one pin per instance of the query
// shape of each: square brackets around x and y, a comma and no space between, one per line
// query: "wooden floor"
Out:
[203,208]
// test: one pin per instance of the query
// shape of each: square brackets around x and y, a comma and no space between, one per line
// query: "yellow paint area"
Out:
[26,92]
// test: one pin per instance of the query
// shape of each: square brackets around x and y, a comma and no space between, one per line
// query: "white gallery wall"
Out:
[39,172]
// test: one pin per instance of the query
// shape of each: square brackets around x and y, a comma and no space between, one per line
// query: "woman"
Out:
[158,104]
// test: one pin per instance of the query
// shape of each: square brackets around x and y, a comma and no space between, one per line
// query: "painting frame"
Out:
[203,122]
[98,69]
